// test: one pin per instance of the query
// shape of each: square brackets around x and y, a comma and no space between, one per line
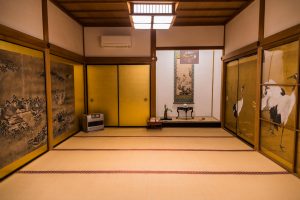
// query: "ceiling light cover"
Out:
[142,26]
[161,26]
[163,19]
[152,15]
[141,19]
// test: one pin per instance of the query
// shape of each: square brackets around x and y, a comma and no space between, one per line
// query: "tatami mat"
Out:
[152,143]
[140,160]
[167,164]
[157,132]
[149,187]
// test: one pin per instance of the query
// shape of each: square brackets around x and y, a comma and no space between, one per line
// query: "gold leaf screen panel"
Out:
[246,98]
[279,100]
[231,94]
[78,95]
[21,146]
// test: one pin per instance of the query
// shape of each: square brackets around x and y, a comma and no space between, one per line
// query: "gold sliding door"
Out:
[121,93]
[103,92]
[231,95]
[246,95]
[134,95]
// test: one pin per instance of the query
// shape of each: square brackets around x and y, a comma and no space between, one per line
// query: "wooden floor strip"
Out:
[216,150]
[152,136]
[152,172]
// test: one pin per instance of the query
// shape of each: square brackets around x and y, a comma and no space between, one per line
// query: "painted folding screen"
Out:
[279,97]
[67,97]
[23,124]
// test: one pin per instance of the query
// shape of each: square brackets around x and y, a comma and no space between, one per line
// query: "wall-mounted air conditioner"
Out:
[116,41]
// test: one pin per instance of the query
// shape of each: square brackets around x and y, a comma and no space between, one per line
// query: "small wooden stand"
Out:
[154,123]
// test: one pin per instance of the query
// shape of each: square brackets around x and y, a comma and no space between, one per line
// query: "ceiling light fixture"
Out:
[152,15]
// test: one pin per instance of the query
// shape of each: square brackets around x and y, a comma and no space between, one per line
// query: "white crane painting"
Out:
[278,103]
[237,107]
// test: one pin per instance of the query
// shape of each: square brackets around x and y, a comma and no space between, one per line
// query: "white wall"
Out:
[140,42]
[190,36]
[24,16]
[280,15]
[217,84]
[243,29]
[64,31]
[202,83]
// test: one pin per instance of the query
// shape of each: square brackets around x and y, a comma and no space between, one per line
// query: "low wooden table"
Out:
[186,109]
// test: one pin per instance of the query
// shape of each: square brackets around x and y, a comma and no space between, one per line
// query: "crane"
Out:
[279,104]
[237,107]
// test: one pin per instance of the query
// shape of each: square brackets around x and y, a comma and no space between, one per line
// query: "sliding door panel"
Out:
[134,95]
[103,92]
[231,95]
[246,98]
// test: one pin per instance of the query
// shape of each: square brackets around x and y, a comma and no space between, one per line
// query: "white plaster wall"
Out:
[190,36]
[280,15]
[243,29]
[24,16]
[140,42]
[217,84]
[64,31]
[202,83]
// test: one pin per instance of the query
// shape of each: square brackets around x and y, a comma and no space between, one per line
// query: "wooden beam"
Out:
[89,24]
[48,76]
[285,36]
[258,99]
[207,9]
[244,51]
[97,10]
[61,52]
[198,23]
[189,48]
[243,7]
[117,60]
[17,37]
[65,11]
[153,75]
[261,21]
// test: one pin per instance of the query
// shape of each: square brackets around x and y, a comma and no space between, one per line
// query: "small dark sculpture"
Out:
[166,113]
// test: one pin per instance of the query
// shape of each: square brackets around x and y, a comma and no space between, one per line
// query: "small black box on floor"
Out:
[154,123]
[93,122]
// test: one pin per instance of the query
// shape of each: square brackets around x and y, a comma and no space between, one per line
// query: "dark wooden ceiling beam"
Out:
[81,11]
[200,17]
[206,9]
[104,18]
[197,23]
[65,11]
[243,7]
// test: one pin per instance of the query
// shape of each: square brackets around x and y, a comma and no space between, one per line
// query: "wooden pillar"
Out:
[258,98]
[48,74]
[84,75]
[153,75]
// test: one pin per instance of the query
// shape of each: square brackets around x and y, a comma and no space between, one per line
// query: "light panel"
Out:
[161,26]
[152,15]
[141,19]
[163,19]
[142,26]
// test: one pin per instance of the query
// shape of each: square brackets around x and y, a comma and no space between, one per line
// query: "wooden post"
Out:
[258,99]
[48,74]
[153,75]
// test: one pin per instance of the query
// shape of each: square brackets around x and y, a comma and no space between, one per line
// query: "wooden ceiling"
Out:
[115,13]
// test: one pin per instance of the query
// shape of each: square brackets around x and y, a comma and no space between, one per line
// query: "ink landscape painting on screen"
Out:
[23,126]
